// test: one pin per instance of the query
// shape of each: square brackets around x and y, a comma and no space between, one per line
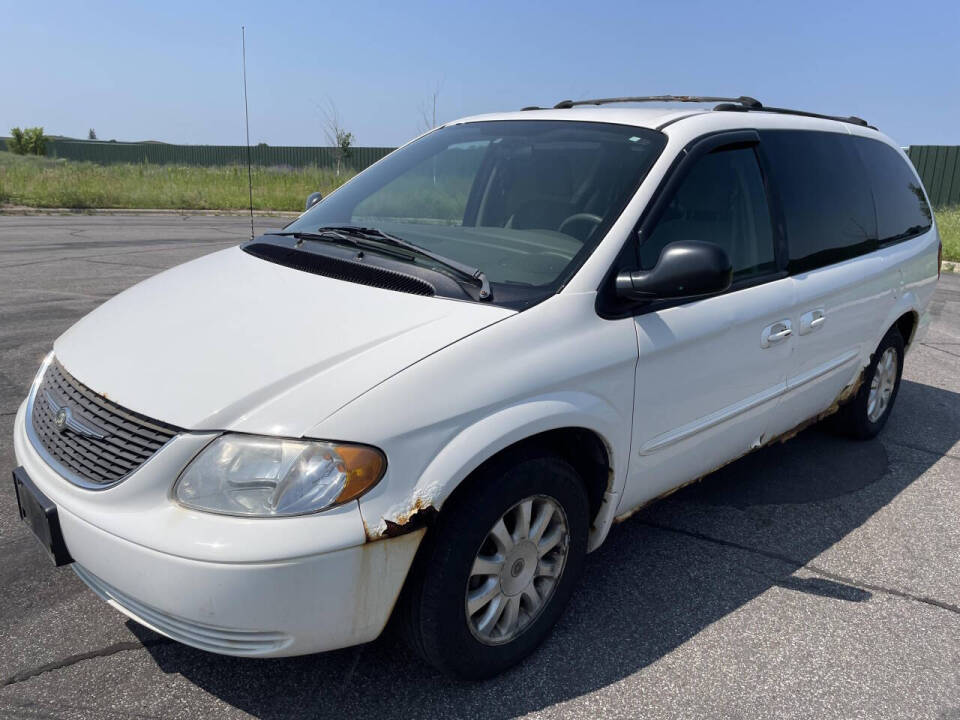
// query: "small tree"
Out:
[29,141]
[36,140]
[336,133]
[16,143]
[428,110]
[345,143]
[428,119]
[91,134]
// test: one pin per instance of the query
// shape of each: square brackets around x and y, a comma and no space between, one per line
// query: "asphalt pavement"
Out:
[819,578]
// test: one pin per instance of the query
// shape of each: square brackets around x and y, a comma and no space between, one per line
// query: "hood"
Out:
[232,342]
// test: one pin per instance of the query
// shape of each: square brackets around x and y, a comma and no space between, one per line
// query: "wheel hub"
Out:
[519,568]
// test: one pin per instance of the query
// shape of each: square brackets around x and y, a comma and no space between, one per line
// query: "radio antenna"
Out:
[246,113]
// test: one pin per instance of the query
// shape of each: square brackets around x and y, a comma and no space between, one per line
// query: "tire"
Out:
[434,610]
[860,418]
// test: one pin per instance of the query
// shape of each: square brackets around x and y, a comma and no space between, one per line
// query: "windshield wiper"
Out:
[321,235]
[326,235]
[351,231]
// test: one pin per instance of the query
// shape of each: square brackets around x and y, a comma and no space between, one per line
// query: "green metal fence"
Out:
[939,168]
[210,155]
[109,153]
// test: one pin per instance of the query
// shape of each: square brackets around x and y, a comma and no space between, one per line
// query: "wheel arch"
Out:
[584,449]
[907,325]
[903,316]
[580,428]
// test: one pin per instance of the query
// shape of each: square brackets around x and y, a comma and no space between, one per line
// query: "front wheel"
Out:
[497,570]
[865,415]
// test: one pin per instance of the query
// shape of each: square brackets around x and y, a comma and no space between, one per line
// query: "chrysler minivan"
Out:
[431,395]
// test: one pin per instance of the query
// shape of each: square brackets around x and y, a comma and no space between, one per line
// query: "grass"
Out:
[948,221]
[46,182]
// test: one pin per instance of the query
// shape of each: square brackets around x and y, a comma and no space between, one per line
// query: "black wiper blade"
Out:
[379,235]
[328,235]
[322,234]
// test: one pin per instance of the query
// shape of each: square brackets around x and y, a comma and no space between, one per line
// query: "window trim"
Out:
[610,307]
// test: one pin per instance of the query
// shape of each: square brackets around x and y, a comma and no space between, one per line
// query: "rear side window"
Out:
[902,209]
[826,199]
[721,200]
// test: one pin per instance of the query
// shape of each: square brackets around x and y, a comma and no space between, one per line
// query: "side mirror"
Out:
[313,199]
[688,268]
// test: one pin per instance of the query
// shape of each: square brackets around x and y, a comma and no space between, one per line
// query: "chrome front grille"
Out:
[95,442]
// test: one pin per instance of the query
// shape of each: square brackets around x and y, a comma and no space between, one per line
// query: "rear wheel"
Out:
[865,415]
[496,571]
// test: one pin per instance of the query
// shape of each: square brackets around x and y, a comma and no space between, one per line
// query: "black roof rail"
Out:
[852,119]
[743,103]
[743,100]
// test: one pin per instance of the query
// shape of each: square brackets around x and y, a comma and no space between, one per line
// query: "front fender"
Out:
[552,366]
[473,445]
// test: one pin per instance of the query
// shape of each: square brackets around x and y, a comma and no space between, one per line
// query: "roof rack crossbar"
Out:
[743,100]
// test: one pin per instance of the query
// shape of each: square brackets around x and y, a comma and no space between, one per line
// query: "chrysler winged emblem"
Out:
[64,418]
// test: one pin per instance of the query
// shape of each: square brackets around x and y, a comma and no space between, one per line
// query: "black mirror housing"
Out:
[313,199]
[688,268]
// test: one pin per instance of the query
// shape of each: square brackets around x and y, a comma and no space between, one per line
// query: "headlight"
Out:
[272,477]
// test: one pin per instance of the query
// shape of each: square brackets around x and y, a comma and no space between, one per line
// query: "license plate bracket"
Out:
[40,513]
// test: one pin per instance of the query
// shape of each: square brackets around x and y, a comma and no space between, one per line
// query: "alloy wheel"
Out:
[882,385]
[516,570]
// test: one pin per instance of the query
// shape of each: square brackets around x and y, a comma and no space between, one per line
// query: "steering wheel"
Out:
[581,218]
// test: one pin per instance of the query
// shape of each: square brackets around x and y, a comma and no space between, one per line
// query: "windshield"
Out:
[524,201]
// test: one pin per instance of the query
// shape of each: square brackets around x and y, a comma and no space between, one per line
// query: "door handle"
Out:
[812,320]
[772,334]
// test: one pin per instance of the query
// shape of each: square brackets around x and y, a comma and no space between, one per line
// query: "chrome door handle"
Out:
[812,320]
[773,334]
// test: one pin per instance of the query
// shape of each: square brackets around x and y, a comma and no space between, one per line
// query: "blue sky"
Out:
[170,70]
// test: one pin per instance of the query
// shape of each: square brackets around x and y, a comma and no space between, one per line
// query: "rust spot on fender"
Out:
[420,515]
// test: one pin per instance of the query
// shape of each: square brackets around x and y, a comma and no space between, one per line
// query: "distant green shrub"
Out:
[29,141]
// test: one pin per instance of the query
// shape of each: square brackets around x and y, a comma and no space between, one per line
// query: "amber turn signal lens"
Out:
[363,467]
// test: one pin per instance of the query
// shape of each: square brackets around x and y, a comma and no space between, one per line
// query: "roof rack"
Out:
[743,103]
[742,100]
[853,119]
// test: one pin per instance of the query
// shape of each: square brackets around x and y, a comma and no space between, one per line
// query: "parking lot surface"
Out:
[819,578]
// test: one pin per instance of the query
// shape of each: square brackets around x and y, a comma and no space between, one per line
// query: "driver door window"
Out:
[721,200]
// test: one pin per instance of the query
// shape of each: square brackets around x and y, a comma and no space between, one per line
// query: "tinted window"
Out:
[827,203]
[721,200]
[902,210]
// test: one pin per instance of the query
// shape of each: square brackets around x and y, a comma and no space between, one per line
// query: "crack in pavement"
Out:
[918,448]
[34,708]
[120,264]
[806,566]
[171,244]
[934,347]
[107,651]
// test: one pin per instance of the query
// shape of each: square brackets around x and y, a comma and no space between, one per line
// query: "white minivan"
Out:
[432,394]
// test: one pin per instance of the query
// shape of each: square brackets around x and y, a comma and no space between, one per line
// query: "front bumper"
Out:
[227,585]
